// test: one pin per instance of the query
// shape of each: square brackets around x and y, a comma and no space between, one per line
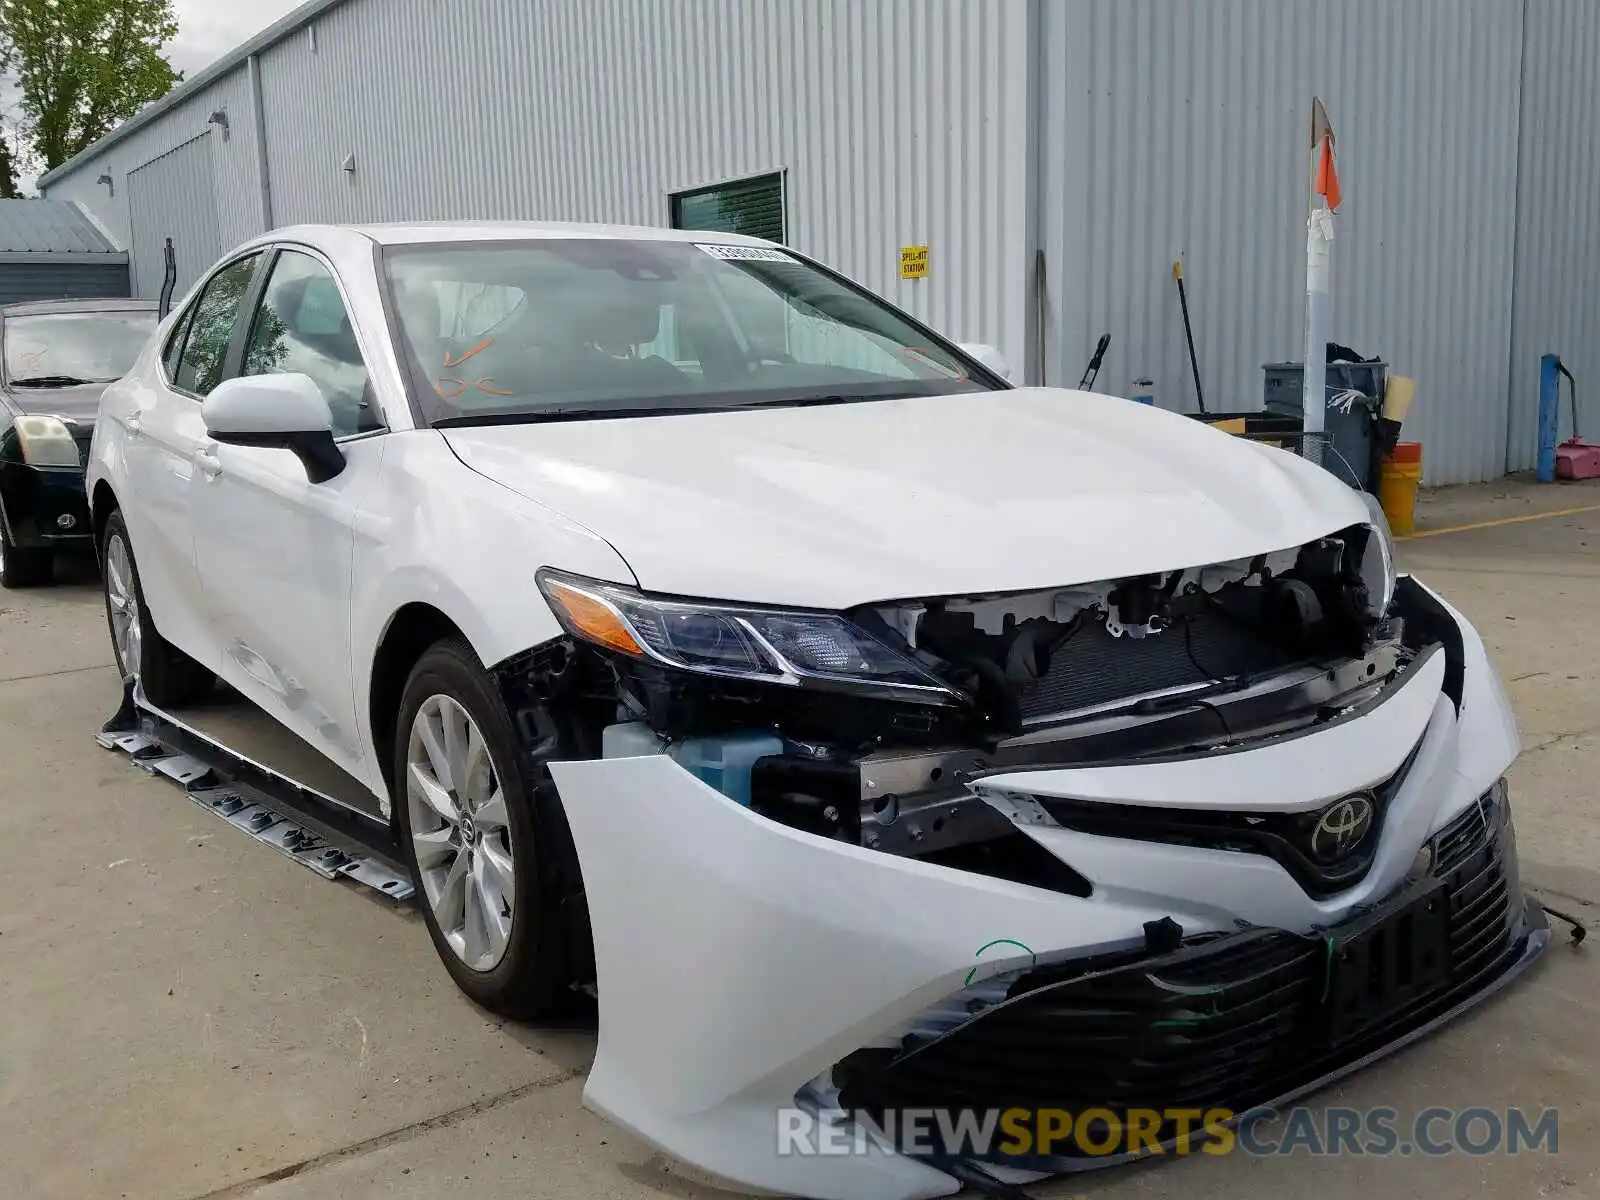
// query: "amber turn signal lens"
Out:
[593,619]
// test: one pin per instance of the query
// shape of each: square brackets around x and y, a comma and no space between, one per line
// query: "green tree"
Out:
[8,168]
[268,345]
[85,66]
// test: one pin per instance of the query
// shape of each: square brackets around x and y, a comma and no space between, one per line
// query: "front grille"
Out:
[1227,1022]
[1484,887]
[1462,835]
[1094,668]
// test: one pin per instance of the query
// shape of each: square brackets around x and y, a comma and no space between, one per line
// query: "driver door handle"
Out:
[206,460]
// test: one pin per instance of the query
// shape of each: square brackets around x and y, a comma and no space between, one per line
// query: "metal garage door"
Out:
[173,197]
[46,280]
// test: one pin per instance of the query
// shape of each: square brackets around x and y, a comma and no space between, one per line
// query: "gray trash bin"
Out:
[1350,423]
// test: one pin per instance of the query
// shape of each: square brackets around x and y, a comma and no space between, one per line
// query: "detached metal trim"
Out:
[298,821]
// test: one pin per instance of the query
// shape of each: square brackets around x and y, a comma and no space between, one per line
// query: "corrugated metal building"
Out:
[1055,156]
[51,251]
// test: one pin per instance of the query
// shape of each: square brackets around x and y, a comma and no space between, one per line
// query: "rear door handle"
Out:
[206,460]
[135,427]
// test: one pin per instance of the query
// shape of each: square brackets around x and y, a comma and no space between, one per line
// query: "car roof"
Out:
[404,232]
[28,308]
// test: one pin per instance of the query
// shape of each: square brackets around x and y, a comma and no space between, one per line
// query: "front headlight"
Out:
[779,646]
[46,442]
[1377,567]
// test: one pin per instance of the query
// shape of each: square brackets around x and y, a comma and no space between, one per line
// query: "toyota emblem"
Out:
[1342,828]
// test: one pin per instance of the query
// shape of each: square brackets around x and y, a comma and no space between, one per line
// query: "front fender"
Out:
[438,533]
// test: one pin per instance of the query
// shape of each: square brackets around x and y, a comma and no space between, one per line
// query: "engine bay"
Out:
[1041,658]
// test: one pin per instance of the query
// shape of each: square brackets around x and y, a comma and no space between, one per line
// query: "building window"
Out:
[753,207]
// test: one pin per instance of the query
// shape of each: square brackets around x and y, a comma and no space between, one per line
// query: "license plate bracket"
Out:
[1387,959]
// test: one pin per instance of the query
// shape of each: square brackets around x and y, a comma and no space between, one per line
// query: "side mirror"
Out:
[281,412]
[989,357]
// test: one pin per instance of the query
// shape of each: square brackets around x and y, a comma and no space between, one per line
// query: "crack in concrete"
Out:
[1557,739]
[393,1137]
[53,674]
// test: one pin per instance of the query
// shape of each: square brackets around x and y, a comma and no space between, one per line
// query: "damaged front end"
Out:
[870,726]
[866,860]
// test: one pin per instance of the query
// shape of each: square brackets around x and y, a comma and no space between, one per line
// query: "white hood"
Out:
[833,506]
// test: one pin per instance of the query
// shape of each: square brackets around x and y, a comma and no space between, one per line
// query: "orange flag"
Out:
[1327,180]
[1328,175]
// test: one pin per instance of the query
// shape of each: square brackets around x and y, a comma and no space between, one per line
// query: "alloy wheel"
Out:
[460,834]
[123,599]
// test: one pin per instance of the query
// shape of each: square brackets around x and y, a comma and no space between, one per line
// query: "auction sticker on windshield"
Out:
[755,253]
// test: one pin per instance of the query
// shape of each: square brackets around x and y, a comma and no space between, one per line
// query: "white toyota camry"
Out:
[868,734]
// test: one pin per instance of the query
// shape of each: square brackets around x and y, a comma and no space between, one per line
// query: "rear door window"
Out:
[174,351]
[216,312]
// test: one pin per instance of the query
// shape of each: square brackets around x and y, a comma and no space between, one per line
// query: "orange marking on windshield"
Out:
[459,387]
[451,363]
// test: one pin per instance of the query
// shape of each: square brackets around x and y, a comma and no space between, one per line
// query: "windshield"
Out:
[556,328]
[63,349]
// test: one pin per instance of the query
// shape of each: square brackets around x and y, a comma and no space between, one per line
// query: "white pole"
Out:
[1319,245]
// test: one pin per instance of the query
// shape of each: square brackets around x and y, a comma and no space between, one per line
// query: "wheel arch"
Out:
[102,503]
[414,627]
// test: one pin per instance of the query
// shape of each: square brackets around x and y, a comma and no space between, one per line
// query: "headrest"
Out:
[320,312]
[616,323]
[418,305]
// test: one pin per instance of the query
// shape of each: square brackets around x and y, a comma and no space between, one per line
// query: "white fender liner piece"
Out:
[1228,886]
[1490,742]
[1416,721]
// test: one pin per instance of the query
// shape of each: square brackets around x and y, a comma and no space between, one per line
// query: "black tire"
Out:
[21,568]
[533,978]
[170,678]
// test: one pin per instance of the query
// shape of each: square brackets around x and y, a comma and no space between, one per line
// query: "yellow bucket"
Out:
[1397,487]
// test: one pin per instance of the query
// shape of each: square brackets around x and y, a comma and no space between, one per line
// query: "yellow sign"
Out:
[913,262]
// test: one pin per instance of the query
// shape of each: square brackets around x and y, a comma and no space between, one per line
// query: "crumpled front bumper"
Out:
[739,961]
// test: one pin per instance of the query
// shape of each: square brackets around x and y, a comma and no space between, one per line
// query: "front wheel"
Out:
[478,849]
[169,677]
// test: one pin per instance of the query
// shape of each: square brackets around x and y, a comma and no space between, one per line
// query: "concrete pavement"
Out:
[187,1014]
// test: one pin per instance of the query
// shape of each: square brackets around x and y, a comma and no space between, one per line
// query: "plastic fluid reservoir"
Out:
[724,762]
[629,739]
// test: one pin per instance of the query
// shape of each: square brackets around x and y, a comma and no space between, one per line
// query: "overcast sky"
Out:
[208,29]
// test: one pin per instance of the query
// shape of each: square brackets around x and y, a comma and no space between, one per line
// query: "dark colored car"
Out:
[56,357]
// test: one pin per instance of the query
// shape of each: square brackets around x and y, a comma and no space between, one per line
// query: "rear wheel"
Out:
[169,677]
[479,850]
[21,568]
